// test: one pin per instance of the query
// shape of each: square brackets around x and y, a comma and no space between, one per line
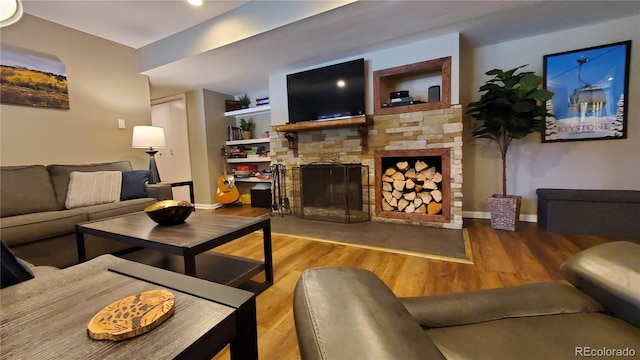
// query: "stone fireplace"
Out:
[433,137]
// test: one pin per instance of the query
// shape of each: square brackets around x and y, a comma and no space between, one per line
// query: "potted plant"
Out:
[247,128]
[244,101]
[511,108]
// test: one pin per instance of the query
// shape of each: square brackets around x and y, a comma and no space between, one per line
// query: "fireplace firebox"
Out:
[332,192]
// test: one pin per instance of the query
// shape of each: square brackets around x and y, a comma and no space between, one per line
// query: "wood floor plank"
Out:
[501,259]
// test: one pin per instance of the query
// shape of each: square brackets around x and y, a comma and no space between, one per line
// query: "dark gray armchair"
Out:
[347,313]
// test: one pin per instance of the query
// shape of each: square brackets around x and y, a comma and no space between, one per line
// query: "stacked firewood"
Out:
[414,189]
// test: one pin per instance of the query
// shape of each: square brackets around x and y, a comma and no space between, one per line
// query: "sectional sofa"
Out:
[38,213]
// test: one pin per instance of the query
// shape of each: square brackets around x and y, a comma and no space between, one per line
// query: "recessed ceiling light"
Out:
[195,2]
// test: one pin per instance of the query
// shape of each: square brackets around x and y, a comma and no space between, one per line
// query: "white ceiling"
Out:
[349,30]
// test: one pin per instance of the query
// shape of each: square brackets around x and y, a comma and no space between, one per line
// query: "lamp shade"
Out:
[10,12]
[147,137]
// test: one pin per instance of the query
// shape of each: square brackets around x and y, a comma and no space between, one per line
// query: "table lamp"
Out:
[150,137]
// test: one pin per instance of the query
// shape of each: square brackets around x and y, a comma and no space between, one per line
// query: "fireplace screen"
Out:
[332,192]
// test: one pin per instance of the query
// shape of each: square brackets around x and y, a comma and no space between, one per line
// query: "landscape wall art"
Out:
[32,79]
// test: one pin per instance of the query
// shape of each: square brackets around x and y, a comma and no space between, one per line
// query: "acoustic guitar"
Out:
[227,193]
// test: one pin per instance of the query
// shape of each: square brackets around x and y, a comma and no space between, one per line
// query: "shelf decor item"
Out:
[245,101]
[247,128]
[591,87]
[511,108]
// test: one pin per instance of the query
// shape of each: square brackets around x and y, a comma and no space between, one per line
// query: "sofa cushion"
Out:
[537,337]
[26,189]
[609,273]
[97,212]
[19,229]
[60,175]
[93,188]
[133,184]
[12,271]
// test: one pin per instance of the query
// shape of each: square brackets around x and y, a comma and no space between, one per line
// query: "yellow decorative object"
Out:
[245,199]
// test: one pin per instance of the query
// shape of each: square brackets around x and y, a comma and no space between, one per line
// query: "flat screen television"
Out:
[327,93]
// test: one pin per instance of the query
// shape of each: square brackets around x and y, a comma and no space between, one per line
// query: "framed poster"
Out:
[34,79]
[590,87]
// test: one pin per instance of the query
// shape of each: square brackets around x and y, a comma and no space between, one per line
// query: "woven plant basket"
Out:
[505,211]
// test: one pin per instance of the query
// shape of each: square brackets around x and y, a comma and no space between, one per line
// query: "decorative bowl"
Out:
[169,212]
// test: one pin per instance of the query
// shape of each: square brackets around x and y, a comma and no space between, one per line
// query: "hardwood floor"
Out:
[501,258]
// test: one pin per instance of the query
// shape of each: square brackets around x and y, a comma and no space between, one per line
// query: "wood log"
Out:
[386,178]
[422,209]
[390,171]
[437,178]
[132,316]
[417,202]
[387,195]
[434,208]
[426,197]
[421,165]
[393,202]
[398,176]
[411,174]
[421,177]
[387,186]
[418,188]
[386,206]
[399,184]
[430,185]
[436,195]
[410,208]
[409,196]
[409,184]
[429,172]
[402,165]
[402,203]
[396,194]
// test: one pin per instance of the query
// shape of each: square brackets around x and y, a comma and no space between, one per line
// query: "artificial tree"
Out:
[511,108]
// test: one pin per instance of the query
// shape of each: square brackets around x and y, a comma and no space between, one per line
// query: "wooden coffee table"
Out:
[184,248]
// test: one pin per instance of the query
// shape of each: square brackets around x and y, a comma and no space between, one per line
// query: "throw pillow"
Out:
[13,270]
[93,188]
[134,184]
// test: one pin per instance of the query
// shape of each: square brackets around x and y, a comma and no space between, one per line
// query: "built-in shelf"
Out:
[248,160]
[390,80]
[253,180]
[248,141]
[262,109]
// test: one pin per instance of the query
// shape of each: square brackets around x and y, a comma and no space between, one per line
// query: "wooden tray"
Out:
[132,316]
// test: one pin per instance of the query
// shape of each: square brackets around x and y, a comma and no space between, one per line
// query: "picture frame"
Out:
[590,87]
[31,78]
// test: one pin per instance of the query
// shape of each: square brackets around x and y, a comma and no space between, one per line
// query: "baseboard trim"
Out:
[487,215]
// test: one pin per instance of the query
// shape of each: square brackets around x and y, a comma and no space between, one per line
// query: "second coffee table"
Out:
[183,248]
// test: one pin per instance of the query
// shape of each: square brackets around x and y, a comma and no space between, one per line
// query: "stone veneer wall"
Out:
[416,130]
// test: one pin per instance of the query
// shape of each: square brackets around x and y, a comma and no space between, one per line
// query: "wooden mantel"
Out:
[362,122]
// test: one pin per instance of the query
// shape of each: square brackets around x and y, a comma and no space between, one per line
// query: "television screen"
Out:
[331,92]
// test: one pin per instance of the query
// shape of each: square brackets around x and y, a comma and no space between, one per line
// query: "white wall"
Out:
[435,48]
[598,164]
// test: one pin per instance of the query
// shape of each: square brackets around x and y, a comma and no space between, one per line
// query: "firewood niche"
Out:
[413,184]
[362,122]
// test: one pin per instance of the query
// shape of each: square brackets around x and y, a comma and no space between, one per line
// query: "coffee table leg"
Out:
[268,261]
[190,265]
[245,344]
[82,254]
